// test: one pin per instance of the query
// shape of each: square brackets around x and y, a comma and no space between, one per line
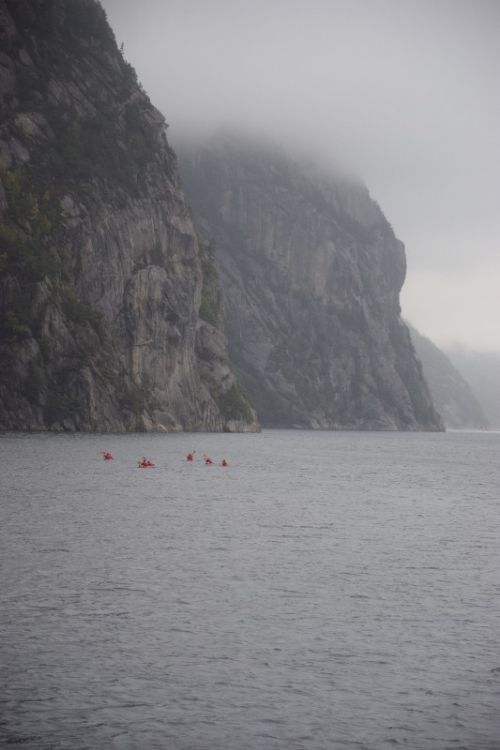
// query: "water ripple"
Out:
[328,591]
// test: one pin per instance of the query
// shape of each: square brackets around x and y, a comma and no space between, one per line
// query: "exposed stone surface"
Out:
[311,273]
[100,268]
[452,395]
[482,372]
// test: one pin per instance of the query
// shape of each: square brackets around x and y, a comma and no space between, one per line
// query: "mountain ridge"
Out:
[451,393]
[311,273]
[482,371]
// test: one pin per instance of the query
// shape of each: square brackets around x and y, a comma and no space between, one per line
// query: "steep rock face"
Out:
[482,371]
[450,392]
[101,272]
[311,274]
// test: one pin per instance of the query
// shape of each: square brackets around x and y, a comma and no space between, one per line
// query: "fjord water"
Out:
[327,590]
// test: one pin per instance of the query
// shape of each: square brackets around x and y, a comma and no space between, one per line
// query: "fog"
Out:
[402,92]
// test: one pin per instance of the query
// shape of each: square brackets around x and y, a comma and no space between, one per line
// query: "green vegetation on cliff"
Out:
[211,299]
[28,228]
[234,404]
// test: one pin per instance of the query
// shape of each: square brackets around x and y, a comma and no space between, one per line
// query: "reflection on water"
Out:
[326,590]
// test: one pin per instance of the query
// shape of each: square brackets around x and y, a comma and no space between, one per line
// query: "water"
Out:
[327,590]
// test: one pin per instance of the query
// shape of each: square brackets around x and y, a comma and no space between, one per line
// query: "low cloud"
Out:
[403,92]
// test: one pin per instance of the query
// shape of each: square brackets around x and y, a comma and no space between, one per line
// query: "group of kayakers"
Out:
[206,459]
[145,463]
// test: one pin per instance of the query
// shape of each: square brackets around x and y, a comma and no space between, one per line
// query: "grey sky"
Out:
[403,92]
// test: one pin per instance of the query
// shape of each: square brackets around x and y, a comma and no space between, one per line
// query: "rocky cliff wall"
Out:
[482,372]
[311,274]
[452,395]
[101,271]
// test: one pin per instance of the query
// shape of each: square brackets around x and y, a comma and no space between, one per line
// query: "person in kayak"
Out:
[190,456]
[106,456]
[145,463]
[208,461]
[224,462]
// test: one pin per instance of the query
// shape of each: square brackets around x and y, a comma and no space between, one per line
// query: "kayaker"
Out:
[145,463]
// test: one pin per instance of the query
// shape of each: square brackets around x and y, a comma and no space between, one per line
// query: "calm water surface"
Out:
[327,590]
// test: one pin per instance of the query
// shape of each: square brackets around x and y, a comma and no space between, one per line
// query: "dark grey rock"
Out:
[311,273]
[451,393]
[101,273]
[482,372]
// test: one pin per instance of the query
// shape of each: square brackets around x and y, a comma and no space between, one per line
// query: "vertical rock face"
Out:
[101,272]
[482,372]
[311,274]
[452,394]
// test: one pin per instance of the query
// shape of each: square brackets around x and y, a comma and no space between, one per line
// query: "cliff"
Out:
[451,393]
[482,371]
[311,273]
[101,272]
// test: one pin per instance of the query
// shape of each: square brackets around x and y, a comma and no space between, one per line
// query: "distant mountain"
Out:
[482,371]
[310,273]
[451,393]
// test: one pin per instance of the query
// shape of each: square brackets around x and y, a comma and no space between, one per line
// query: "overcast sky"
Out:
[404,92]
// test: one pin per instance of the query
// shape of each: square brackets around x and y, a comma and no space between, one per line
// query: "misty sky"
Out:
[403,92]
